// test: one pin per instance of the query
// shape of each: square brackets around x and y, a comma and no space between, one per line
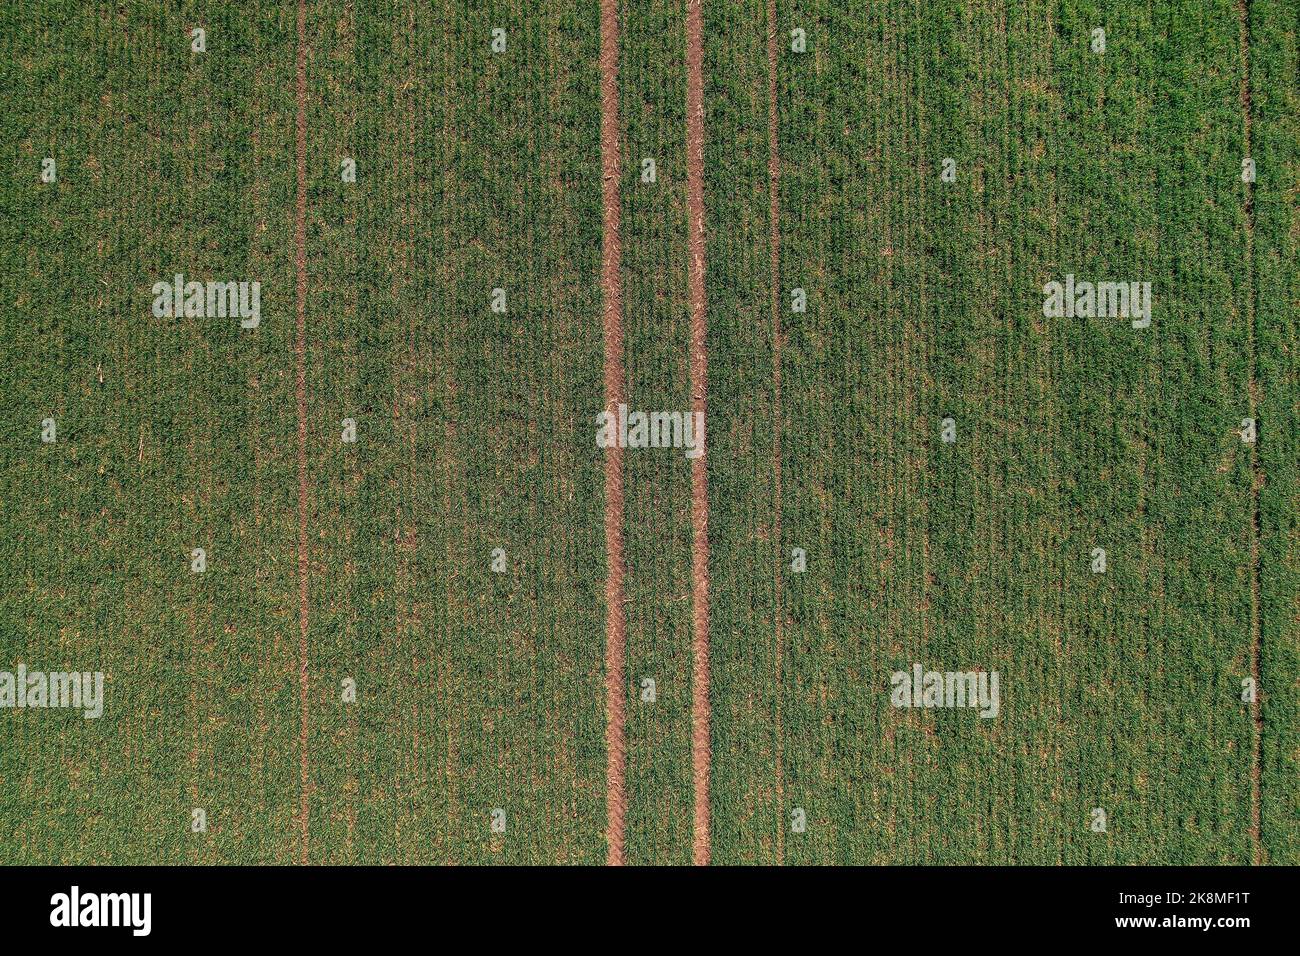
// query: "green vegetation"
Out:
[1120,690]
[479,690]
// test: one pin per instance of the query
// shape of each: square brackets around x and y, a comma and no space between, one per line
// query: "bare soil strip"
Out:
[778,611]
[701,749]
[1257,471]
[300,353]
[615,389]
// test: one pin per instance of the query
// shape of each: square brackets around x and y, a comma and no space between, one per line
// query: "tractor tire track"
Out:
[615,393]
[701,746]
[1256,467]
[778,612]
[300,354]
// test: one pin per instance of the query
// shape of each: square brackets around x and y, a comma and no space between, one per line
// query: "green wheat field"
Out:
[918,469]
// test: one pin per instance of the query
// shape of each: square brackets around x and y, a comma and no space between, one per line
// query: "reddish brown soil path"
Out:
[778,612]
[701,748]
[611,264]
[300,353]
